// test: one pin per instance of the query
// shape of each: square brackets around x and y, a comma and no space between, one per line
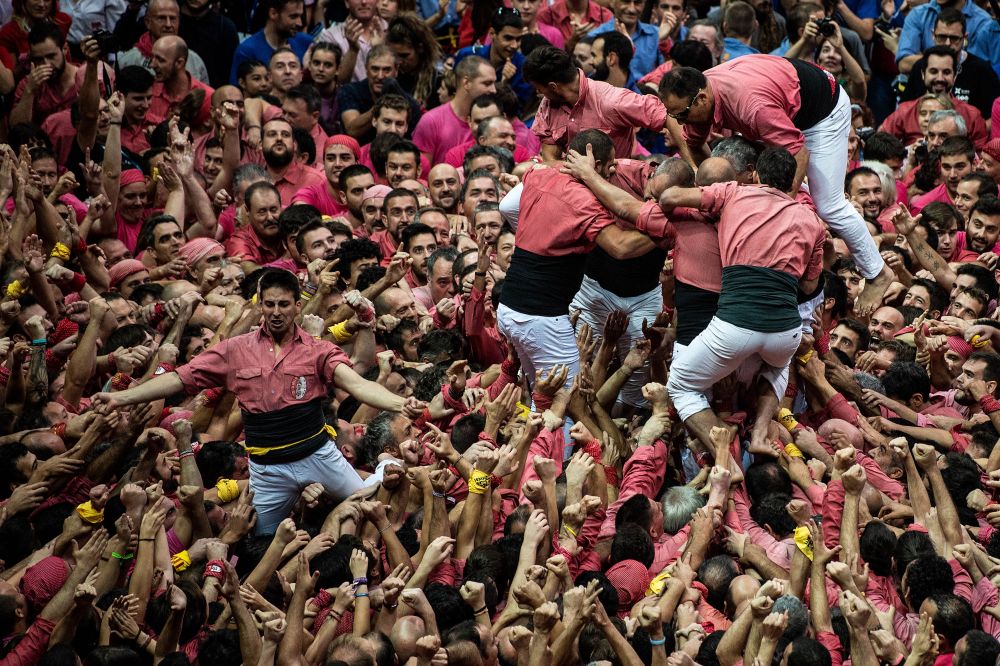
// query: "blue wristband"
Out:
[40,342]
[661,641]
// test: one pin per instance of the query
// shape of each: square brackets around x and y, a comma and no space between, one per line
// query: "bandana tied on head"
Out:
[993,149]
[957,344]
[198,248]
[344,140]
[629,578]
[123,269]
[376,192]
[131,176]
[41,582]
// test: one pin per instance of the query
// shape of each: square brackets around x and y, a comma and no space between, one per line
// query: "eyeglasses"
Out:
[681,116]
[951,39]
[503,11]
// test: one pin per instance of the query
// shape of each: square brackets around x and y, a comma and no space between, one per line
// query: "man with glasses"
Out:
[788,104]
[975,81]
[921,24]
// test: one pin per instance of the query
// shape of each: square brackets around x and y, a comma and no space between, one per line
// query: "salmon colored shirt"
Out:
[545,228]
[162,105]
[904,122]
[297,177]
[757,96]
[558,16]
[616,111]
[760,226]
[245,245]
[262,381]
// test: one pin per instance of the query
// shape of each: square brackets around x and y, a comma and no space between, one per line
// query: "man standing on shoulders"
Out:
[573,102]
[789,104]
[280,376]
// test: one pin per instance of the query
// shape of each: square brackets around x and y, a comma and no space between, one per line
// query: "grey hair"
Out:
[503,157]
[248,173]
[740,152]
[483,207]
[378,436]
[798,616]
[679,504]
[888,180]
[680,172]
[945,114]
[446,252]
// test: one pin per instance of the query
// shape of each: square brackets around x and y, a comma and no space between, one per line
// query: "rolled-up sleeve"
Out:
[206,370]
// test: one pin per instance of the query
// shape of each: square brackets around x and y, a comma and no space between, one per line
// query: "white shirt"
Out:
[91,15]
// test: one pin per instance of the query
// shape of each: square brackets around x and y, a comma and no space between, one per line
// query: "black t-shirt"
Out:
[819,93]
[214,38]
[633,277]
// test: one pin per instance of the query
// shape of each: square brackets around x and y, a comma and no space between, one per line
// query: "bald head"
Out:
[715,170]
[226,93]
[848,430]
[162,18]
[405,633]
[174,45]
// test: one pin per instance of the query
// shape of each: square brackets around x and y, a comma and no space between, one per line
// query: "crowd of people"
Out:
[485,333]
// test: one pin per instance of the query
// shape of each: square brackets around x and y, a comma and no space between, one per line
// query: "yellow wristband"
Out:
[16,290]
[60,251]
[804,358]
[89,514]
[657,584]
[793,450]
[339,333]
[181,560]
[803,541]
[979,342]
[787,419]
[479,482]
[228,490]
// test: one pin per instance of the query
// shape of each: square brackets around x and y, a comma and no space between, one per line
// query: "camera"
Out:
[105,41]
[921,152]
[883,25]
[825,27]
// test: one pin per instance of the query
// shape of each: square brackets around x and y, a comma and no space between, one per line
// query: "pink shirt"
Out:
[760,226]
[365,159]
[904,122]
[263,382]
[319,196]
[939,193]
[525,137]
[245,245]
[162,104]
[386,243]
[61,132]
[295,178]
[558,16]
[617,111]
[456,155]
[545,228]
[757,96]
[438,130]
[995,119]
[697,261]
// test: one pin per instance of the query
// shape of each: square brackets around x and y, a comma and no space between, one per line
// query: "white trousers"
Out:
[595,304]
[540,342]
[827,145]
[722,349]
[277,486]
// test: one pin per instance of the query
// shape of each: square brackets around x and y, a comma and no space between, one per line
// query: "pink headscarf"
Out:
[123,269]
[376,192]
[130,176]
[993,149]
[344,140]
[197,249]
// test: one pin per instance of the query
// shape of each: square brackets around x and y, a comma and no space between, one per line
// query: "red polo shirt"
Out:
[558,16]
[163,105]
[245,245]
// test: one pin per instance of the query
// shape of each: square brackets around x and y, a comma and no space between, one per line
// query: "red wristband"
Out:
[989,404]
[4,375]
[323,599]
[216,569]
[81,246]
[120,381]
[483,437]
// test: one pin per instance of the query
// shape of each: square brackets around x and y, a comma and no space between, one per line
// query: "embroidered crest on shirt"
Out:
[299,388]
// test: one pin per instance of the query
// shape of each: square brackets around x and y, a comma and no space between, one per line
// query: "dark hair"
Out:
[352,171]
[305,144]
[776,167]
[770,511]
[404,146]
[950,16]
[632,542]
[617,43]
[411,231]
[877,545]
[927,575]
[380,147]
[280,279]
[882,146]
[739,19]
[441,344]
[599,141]
[394,102]
[835,287]
[953,618]
[808,651]
[9,473]
[506,17]
[682,82]
[549,65]
[134,79]
[980,647]
[766,477]
[46,30]
[902,380]
[245,68]
[608,596]
[259,186]
[717,574]
[449,606]
[859,329]
[216,460]
[692,53]
[859,171]
[957,145]
[991,373]
[635,509]
[301,231]
[942,52]
[988,204]
[307,93]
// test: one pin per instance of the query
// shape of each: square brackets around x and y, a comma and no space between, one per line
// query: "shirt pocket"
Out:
[299,381]
[249,385]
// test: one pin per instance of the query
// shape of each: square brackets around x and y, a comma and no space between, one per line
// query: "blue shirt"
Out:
[645,40]
[734,48]
[427,8]
[782,47]
[864,9]
[983,32]
[255,47]
[525,91]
